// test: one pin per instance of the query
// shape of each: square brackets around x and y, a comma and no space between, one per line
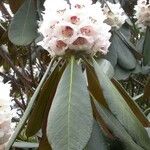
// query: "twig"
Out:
[14,81]
[135,98]
[19,104]
[141,84]
[22,99]
[31,68]
[3,53]
[10,78]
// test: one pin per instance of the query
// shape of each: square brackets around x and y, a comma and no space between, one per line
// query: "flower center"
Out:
[74,19]
[60,44]
[87,30]
[77,6]
[80,41]
[67,31]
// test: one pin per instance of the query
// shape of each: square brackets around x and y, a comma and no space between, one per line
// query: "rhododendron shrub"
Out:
[79,104]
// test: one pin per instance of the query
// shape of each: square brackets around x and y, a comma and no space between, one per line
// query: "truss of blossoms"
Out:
[75,29]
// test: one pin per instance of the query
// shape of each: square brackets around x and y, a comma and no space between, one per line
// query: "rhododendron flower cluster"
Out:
[142,14]
[115,14]
[76,27]
[5,122]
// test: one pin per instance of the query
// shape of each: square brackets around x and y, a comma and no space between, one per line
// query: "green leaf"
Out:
[97,141]
[121,110]
[117,128]
[45,97]
[146,48]
[120,73]
[112,55]
[134,107]
[107,67]
[70,118]
[94,87]
[125,58]
[23,27]
[93,84]
[139,44]
[130,46]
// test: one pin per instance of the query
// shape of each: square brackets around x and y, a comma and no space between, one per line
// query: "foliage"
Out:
[81,98]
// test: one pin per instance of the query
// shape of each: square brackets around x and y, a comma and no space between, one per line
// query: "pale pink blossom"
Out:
[80,27]
[142,14]
[115,15]
[58,6]
[80,3]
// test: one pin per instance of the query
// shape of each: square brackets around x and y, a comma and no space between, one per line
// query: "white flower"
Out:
[80,3]
[55,7]
[80,27]
[115,15]
[5,121]
[142,14]
[141,2]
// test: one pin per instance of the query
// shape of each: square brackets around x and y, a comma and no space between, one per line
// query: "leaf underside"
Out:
[23,27]
[70,118]
[121,110]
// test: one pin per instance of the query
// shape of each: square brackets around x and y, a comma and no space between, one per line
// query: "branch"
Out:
[4,54]
[135,98]
[12,79]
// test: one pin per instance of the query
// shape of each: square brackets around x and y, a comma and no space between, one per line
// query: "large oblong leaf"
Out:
[121,110]
[94,87]
[134,107]
[70,118]
[125,58]
[22,30]
[120,73]
[107,67]
[112,55]
[44,98]
[117,128]
[97,140]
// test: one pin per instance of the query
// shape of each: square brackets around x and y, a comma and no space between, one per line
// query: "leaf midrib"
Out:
[23,29]
[69,97]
